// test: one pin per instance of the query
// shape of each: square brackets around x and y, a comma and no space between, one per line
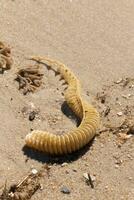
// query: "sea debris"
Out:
[89,179]
[124,81]
[126,127]
[25,189]
[107,111]
[29,78]
[6,60]
[124,136]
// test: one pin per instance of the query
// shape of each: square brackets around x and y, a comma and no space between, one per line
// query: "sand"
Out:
[96,40]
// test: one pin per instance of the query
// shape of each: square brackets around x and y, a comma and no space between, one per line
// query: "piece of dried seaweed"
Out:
[6,60]
[24,190]
[29,79]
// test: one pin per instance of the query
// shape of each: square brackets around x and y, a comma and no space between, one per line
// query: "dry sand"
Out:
[95,38]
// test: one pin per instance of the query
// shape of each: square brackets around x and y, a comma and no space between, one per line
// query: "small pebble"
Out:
[102,145]
[64,164]
[41,187]
[32,115]
[118,162]
[119,103]
[106,187]
[93,178]
[65,190]
[11,194]
[74,170]
[32,105]
[119,81]
[34,171]
[116,166]
[120,113]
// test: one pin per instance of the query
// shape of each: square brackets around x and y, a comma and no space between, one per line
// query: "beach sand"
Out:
[95,39]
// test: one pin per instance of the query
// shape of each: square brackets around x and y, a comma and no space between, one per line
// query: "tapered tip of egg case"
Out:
[28,137]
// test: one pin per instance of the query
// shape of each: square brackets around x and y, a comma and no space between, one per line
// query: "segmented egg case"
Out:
[76,138]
